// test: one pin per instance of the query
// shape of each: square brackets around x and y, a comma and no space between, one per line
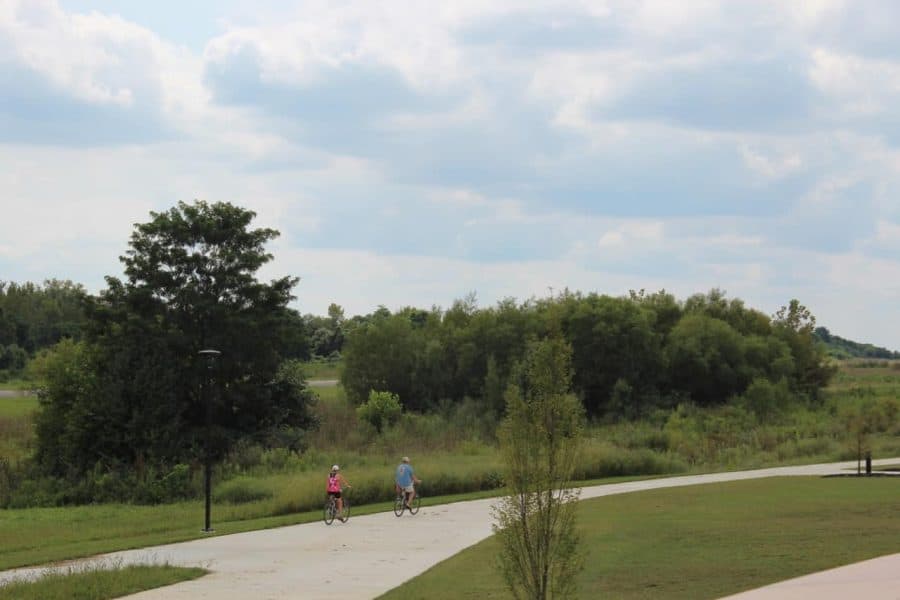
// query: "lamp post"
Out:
[210,356]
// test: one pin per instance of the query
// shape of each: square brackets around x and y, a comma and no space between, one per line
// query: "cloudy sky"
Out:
[413,152]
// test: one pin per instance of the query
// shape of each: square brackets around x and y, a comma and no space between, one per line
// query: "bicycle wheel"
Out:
[330,509]
[414,507]
[398,506]
[345,516]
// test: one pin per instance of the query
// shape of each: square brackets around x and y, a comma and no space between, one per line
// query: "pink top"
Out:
[333,484]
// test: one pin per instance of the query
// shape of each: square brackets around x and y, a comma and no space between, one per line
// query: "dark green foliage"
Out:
[838,347]
[130,395]
[614,344]
[326,334]
[631,355]
[795,325]
[706,359]
[33,317]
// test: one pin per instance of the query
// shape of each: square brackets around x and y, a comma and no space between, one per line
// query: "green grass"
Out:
[322,370]
[97,582]
[701,541]
[18,406]
[16,427]
[35,536]
[331,393]
[18,385]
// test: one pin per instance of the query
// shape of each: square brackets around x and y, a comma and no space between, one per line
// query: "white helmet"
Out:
[335,468]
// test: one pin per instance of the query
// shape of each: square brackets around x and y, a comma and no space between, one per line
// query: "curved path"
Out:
[372,554]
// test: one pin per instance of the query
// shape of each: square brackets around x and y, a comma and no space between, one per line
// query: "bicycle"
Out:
[331,510]
[401,504]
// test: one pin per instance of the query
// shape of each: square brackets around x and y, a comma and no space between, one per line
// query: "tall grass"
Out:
[97,581]
[454,449]
[16,428]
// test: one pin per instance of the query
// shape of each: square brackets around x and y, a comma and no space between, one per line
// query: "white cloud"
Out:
[864,87]
[768,166]
[589,145]
[638,233]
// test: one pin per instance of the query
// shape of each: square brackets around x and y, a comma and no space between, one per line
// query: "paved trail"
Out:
[372,554]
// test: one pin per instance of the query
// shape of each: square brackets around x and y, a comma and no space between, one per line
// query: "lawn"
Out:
[702,541]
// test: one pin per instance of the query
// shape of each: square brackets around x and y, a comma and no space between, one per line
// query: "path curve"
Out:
[364,557]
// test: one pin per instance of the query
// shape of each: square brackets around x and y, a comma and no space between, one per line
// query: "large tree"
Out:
[190,284]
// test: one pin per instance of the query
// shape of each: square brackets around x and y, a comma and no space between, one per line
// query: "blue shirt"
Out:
[404,475]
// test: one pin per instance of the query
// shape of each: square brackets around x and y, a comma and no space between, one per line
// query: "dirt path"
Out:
[370,554]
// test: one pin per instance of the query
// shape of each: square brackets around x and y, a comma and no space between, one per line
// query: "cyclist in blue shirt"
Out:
[405,479]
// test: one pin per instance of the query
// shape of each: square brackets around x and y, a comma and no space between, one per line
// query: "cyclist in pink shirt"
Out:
[335,485]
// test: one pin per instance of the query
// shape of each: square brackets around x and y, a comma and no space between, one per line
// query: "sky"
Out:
[412,153]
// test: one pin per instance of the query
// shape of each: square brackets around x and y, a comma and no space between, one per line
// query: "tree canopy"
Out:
[35,316]
[630,354]
[190,284]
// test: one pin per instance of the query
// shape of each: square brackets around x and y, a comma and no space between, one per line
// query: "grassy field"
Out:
[322,370]
[17,384]
[260,488]
[702,541]
[98,583]
[16,429]
[18,406]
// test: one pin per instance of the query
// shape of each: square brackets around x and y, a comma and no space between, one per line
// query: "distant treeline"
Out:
[35,316]
[631,354]
[839,347]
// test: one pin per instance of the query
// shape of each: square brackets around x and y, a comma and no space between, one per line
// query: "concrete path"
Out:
[370,554]
[876,579]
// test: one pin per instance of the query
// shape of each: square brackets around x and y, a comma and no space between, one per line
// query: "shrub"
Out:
[381,410]
[767,400]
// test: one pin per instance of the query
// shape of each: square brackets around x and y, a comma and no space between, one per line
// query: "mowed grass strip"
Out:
[702,541]
[37,536]
[98,583]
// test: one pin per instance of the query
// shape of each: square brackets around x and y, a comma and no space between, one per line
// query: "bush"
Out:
[381,410]
[767,400]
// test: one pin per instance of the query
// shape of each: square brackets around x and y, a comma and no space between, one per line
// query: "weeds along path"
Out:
[362,558]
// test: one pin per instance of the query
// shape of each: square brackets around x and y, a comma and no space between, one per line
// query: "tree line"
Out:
[34,316]
[630,354]
[839,347]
